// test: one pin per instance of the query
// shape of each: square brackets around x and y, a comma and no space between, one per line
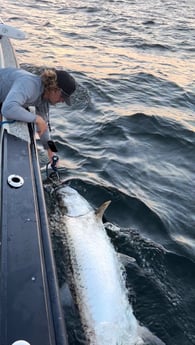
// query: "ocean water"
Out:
[129,136]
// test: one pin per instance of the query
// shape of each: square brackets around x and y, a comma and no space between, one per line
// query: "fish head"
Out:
[71,202]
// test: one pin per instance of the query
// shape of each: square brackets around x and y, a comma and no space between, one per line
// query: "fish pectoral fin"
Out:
[100,211]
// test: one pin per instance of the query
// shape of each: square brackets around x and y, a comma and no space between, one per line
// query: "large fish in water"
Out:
[97,275]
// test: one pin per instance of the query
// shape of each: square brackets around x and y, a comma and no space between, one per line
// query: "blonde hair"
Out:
[49,80]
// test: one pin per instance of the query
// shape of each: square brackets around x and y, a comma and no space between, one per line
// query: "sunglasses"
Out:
[64,94]
[66,97]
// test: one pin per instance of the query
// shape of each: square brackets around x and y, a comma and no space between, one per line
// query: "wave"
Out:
[159,282]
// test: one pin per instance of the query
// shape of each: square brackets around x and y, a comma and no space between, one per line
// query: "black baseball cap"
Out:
[66,83]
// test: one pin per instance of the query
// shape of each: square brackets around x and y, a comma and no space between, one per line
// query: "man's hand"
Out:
[41,125]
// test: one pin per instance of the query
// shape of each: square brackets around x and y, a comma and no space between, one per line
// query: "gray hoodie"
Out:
[20,89]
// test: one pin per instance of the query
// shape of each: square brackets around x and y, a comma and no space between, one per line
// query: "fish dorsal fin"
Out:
[100,211]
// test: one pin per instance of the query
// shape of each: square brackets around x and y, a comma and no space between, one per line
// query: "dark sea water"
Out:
[129,137]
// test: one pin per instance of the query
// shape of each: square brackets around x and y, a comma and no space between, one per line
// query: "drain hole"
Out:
[15,181]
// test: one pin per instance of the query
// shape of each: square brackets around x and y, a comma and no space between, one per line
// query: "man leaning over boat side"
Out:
[20,89]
